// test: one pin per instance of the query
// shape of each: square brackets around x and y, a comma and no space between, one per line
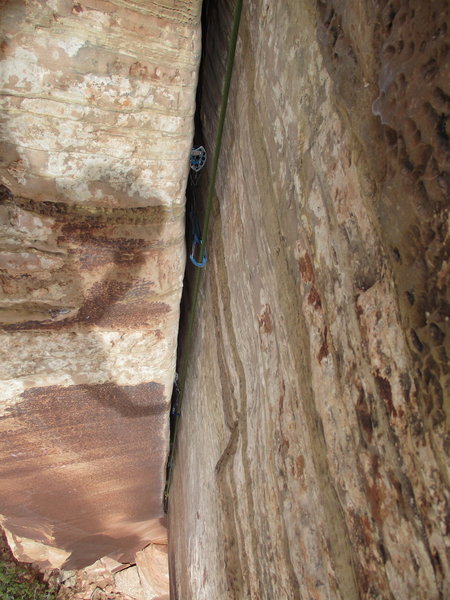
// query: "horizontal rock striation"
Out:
[97,122]
[313,453]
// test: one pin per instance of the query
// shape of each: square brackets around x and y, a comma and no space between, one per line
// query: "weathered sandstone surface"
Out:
[97,121]
[313,453]
[107,579]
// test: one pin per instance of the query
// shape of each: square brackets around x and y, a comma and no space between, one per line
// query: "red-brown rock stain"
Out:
[298,468]
[138,70]
[3,47]
[361,529]
[384,389]
[103,307]
[281,398]
[324,351]
[314,298]
[121,298]
[313,589]
[375,493]
[306,268]
[396,484]
[265,320]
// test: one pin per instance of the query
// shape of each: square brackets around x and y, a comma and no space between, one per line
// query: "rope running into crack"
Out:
[202,249]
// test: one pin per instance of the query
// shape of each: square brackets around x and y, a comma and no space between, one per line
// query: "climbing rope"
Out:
[201,243]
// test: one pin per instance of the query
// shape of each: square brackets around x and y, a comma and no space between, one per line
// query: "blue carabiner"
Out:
[197,242]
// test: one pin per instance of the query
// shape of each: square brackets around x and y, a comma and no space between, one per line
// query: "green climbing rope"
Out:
[199,272]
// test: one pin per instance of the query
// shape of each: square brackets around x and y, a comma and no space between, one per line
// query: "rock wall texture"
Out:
[313,454]
[97,120]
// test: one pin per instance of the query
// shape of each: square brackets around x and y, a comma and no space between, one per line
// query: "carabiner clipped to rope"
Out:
[197,241]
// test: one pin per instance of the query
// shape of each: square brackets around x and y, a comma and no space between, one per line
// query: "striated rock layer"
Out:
[313,454]
[97,121]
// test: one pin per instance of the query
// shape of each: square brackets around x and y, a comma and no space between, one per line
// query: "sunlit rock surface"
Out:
[97,121]
[108,579]
[313,452]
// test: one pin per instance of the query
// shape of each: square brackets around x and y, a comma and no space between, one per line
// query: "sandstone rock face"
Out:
[148,579]
[152,566]
[313,453]
[98,101]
